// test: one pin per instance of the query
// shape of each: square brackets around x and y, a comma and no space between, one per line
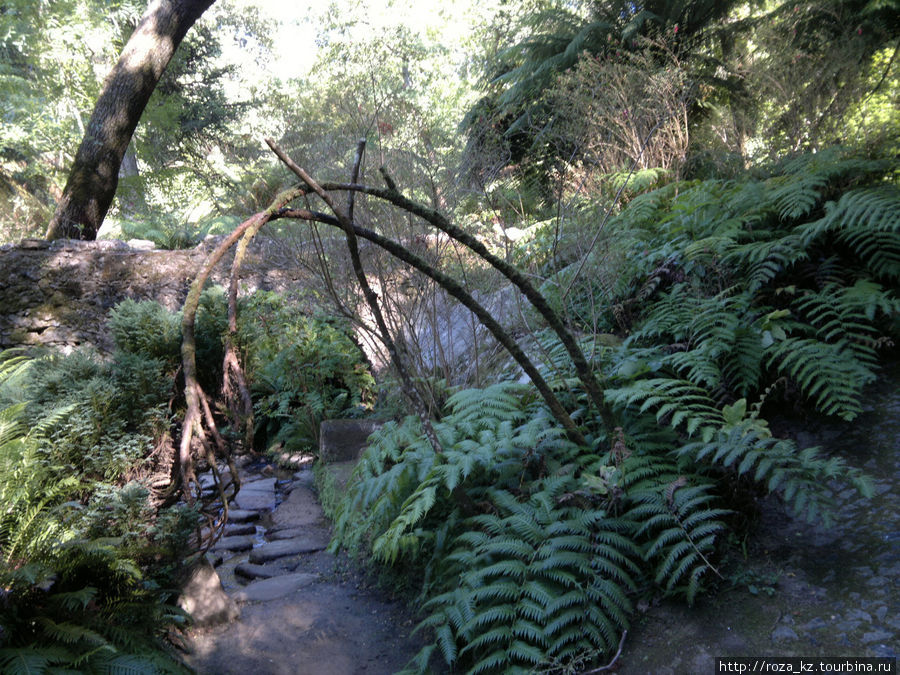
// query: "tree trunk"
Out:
[95,173]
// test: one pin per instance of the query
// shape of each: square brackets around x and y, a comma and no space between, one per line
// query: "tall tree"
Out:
[92,182]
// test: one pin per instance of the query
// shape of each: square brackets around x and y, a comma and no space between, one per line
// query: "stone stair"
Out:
[302,609]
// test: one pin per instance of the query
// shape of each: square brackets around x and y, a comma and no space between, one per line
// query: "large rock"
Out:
[204,598]
[314,541]
[343,440]
[276,587]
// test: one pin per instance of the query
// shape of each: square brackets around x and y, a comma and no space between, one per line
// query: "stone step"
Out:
[251,571]
[240,543]
[257,496]
[316,541]
[242,515]
[299,509]
[274,588]
[238,529]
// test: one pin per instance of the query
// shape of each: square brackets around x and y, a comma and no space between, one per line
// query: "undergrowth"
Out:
[86,562]
[724,300]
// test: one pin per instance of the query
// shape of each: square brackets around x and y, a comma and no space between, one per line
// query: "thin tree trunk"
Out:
[94,177]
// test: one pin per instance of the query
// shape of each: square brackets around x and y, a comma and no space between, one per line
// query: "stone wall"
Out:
[59,293]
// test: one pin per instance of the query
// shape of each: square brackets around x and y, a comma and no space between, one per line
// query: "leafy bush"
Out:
[150,330]
[302,369]
[80,569]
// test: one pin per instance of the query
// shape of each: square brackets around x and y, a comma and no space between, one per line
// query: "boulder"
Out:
[343,440]
[203,597]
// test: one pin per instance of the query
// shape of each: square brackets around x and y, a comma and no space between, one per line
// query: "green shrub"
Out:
[302,369]
[148,329]
[76,597]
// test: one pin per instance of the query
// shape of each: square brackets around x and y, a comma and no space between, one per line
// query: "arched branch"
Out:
[454,289]
[192,429]
[371,297]
[435,218]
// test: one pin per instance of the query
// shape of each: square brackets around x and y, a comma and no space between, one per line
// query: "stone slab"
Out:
[257,496]
[300,508]
[289,533]
[242,515]
[238,529]
[240,543]
[274,588]
[251,571]
[280,549]
[344,440]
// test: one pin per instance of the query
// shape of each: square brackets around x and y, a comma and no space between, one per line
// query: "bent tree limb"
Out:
[192,430]
[371,297]
[435,218]
[454,289]
[94,177]
[235,392]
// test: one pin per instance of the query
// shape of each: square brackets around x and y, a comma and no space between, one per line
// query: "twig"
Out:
[614,658]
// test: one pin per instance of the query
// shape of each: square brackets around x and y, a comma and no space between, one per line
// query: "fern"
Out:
[680,524]
[800,477]
[535,579]
[829,373]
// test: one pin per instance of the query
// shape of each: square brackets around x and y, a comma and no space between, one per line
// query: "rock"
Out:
[816,624]
[301,508]
[242,515]
[204,599]
[784,634]
[306,478]
[34,244]
[858,615]
[238,529]
[141,244]
[878,635]
[251,571]
[258,495]
[290,533]
[280,549]
[276,587]
[343,440]
[243,543]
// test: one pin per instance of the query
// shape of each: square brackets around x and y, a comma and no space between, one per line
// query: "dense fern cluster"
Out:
[723,297]
[83,570]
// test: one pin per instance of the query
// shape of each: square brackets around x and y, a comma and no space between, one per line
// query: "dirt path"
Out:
[303,610]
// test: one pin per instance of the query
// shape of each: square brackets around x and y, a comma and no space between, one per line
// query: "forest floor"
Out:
[802,591]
